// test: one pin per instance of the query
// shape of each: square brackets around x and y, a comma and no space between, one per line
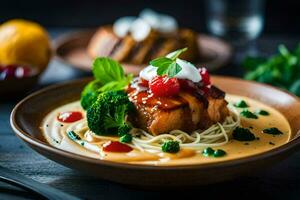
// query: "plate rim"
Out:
[65,37]
[289,147]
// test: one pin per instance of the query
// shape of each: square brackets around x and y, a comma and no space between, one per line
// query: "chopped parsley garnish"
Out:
[73,136]
[168,65]
[219,153]
[248,114]
[208,151]
[271,143]
[170,146]
[243,134]
[262,112]
[214,153]
[241,104]
[126,138]
[55,141]
[272,131]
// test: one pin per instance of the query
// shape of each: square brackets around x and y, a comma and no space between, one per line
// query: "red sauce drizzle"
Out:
[69,117]
[114,146]
[166,103]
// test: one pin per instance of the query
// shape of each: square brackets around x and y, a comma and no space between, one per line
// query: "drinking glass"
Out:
[238,21]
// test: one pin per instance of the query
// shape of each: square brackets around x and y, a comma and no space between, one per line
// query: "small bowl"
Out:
[16,86]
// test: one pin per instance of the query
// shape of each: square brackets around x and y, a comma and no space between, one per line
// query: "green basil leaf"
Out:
[116,85]
[162,70]
[173,69]
[174,55]
[161,62]
[90,93]
[167,65]
[107,70]
[162,65]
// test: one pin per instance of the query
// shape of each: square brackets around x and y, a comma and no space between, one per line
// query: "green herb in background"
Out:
[281,70]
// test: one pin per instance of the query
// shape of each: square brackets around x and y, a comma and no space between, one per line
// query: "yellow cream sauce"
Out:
[55,133]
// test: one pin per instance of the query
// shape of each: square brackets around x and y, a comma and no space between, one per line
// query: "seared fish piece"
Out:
[187,112]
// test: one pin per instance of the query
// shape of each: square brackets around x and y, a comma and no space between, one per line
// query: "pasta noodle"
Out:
[216,135]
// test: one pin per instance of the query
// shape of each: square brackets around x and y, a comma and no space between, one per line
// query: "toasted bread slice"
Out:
[103,42]
[107,44]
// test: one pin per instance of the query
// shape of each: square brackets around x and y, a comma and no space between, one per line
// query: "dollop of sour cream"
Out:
[122,26]
[140,27]
[140,30]
[188,71]
[161,22]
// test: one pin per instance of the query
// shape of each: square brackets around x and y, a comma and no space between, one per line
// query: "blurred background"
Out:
[253,28]
[266,30]
[281,17]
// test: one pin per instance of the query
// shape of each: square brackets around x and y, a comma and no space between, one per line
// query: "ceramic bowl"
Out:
[27,116]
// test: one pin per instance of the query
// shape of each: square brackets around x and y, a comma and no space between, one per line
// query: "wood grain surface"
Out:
[278,182]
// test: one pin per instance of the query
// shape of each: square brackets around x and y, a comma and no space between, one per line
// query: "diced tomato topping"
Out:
[144,83]
[115,146]
[69,117]
[205,76]
[162,86]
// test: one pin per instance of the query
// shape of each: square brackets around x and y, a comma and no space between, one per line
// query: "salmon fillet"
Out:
[187,112]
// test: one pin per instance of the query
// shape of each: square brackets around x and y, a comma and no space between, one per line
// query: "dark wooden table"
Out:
[280,181]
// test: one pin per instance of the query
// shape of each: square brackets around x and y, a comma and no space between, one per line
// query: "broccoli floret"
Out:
[170,146]
[126,138]
[90,93]
[124,129]
[107,114]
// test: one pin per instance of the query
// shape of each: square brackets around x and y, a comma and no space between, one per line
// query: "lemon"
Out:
[24,42]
